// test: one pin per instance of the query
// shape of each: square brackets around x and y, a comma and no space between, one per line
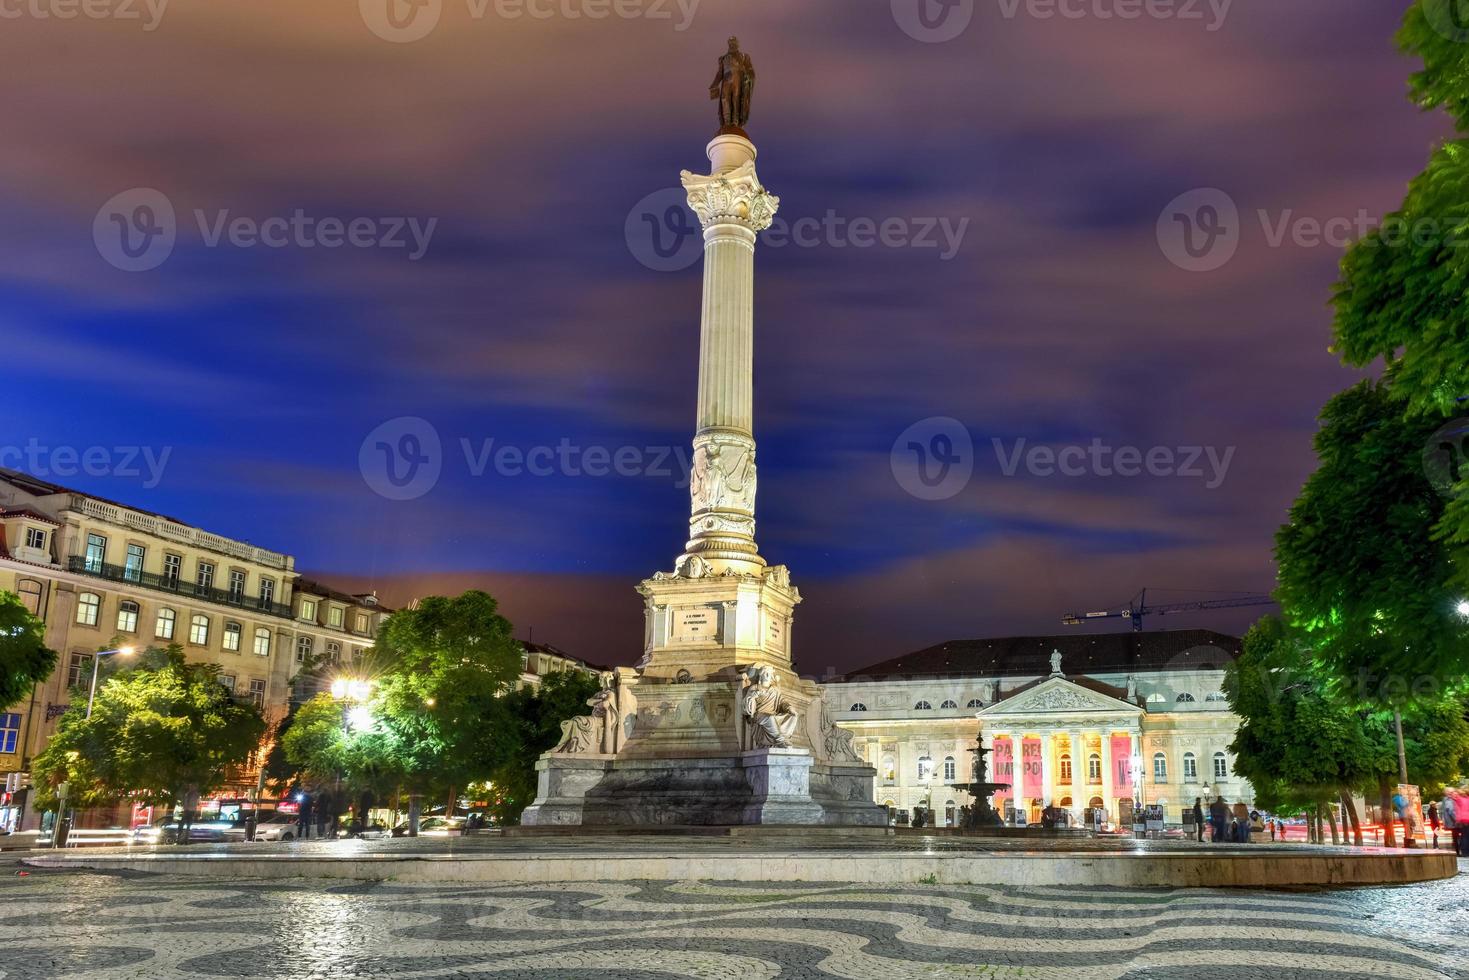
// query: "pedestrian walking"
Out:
[1219,820]
[1461,820]
[1433,821]
[1448,815]
[1199,817]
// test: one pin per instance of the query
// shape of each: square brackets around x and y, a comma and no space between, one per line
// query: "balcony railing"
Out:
[176,586]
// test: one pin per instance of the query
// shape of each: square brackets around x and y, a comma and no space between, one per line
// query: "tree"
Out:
[1401,296]
[440,669]
[25,660]
[338,759]
[529,724]
[1360,572]
[162,731]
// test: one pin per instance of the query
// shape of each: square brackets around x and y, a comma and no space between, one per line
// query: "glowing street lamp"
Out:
[97,662]
[1463,608]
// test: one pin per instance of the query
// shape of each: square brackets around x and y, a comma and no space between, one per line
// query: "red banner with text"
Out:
[1030,761]
[1002,764]
[1122,766]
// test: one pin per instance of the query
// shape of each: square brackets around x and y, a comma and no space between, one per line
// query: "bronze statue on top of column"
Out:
[734,87]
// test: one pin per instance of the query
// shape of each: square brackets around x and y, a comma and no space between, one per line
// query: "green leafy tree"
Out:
[439,670]
[25,660]
[528,723]
[1360,573]
[338,760]
[162,730]
[1403,289]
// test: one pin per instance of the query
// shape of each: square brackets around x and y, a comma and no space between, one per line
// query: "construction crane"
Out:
[1139,607]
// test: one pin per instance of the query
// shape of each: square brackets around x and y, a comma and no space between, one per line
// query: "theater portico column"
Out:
[1047,745]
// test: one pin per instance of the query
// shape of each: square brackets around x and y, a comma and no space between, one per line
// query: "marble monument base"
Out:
[763,787]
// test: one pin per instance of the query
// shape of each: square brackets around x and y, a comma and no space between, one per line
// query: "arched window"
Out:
[1095,803]
[199,629]
[33,595]
[232,633]
[1221,766]
[925,768]
[1156,698]
[975,703]
[164,624]
[1185,698]
[1190,767]
[89,608]
[859,706]
[1065,767]
[923,706]
[303,649]
[1214,697]
[1094,768]
[947,705]
[334,652]
[262,641]
[1160,768]
[127,616]
[950,769]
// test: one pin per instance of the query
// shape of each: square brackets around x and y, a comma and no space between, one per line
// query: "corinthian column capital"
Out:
[732,197]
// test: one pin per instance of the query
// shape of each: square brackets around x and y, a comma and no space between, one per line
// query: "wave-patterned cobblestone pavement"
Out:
[59,924]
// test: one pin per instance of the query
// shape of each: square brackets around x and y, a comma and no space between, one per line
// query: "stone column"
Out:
[1047,746]
[1107,801]
[732,208]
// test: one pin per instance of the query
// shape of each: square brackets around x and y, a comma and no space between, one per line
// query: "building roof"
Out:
[30,512]
[43,488]
[366,600]
[1081,653]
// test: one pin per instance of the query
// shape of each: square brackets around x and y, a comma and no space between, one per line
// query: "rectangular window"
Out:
[9,732]
[127,616]
[303,649]
[36,538]
[232,637]
[267,592]
[204,576]
[79,670]
[362,622]
[132,570]
[96,552]
[257,693]
[172,565]
[237,584]
[227,681]
[308,610]
[334,616]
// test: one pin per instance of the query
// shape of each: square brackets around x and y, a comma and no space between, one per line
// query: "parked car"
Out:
[166,832]
[272,827]
[433,827]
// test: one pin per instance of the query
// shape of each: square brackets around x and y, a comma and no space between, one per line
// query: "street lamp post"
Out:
[97,662]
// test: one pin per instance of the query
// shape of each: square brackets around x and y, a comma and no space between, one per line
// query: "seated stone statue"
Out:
[770,720]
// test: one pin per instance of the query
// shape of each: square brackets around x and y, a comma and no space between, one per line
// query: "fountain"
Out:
[980,813]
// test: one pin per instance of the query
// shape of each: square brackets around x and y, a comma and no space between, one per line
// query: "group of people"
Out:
[1453,815]
[1226,824]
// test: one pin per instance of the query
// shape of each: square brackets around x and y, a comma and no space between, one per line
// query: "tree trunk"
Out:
[1331,819]
[1389,833]
[1349,816]
[415,808]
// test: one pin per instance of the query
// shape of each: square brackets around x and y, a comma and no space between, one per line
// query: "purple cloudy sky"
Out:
[524,149]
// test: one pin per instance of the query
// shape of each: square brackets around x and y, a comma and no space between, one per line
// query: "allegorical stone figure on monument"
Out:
[734,87]
[770,719]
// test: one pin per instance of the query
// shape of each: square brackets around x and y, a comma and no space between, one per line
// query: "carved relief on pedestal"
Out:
[723,476]
[832,742]
[735,197]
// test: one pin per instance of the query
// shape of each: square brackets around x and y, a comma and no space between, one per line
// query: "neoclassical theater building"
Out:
[1082,721]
